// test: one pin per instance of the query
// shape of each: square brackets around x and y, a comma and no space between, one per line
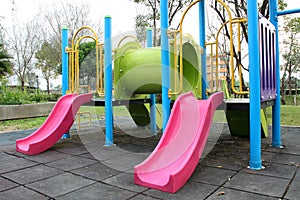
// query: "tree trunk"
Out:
[48,86]
[23,84]
[154,27]
[283,101]
[290,82]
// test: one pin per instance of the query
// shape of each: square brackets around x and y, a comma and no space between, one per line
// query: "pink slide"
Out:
[177,154]
[58,122]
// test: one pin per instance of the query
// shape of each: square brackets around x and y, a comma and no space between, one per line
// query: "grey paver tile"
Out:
[15,164]
[32,174]
[294,191]
[5,157]
[8,147]
[230,163]
[276,170]
[60,184]
[191,190]
[210,175]
[6,184]
[70,163]
[48,156]
[230,194]
[288,159]
[126,160]
[97,171]
[124,180]
[143,197]
[74,150]
[103,154]
[261,184]
[98,191]
[21,193]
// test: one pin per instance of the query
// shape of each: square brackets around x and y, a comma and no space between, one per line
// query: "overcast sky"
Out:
[123,17]
[122,12]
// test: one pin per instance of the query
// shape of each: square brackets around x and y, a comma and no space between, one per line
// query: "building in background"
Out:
[211,69]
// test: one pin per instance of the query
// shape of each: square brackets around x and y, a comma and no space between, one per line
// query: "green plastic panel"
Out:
[138,71]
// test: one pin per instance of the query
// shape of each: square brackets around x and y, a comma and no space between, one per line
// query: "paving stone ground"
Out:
[83,168]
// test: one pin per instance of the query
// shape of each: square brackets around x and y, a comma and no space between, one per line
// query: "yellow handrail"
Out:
[181,43]
[79,121]
[74,61]
[176,92]
[128,36]
[100,71]
[241,92]
[211,44]
[231,22]
[175,58]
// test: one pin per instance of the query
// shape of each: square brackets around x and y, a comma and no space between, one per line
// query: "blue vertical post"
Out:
[64,61]
[65,67]
[109,140]
[202,33]
[165,62]
[254,73]
[276,140]
[152,96]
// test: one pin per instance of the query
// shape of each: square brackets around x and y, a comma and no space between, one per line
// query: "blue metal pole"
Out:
[202,32]
[285,12]
[152,96]
[276,140]
[64,61]
[109,140]
[165,62]
[65,67]
[254,73]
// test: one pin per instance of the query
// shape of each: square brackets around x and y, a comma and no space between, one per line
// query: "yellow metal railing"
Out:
[211,64]
[74,72]
[79,114]
[180,31]
[231,21]
[100,71]
[175,62]
[127,37]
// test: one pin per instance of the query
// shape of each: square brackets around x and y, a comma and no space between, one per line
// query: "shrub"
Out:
[15,96]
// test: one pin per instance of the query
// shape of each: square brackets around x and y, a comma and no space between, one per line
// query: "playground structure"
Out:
[134,63]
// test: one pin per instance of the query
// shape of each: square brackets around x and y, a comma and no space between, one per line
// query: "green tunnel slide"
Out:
[137,73]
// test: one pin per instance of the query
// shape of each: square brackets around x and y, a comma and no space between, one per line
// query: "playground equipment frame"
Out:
[255,161]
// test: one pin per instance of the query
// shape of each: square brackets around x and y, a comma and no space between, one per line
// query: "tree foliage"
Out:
[5,64]
[23,43]
[69,15]
[47,62]
[151,18]
[291,55]
[87,62]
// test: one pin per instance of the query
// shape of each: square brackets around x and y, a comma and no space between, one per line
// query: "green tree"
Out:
[5,64]
[291,55]
[23,43]
[151,18]
[141,25]
[87,62]
[66,14]
[47,62]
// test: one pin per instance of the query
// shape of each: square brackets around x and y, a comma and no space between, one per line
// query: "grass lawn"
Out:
[290,116]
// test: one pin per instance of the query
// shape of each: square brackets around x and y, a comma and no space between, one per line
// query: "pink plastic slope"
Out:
[178,152]
[58,122]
